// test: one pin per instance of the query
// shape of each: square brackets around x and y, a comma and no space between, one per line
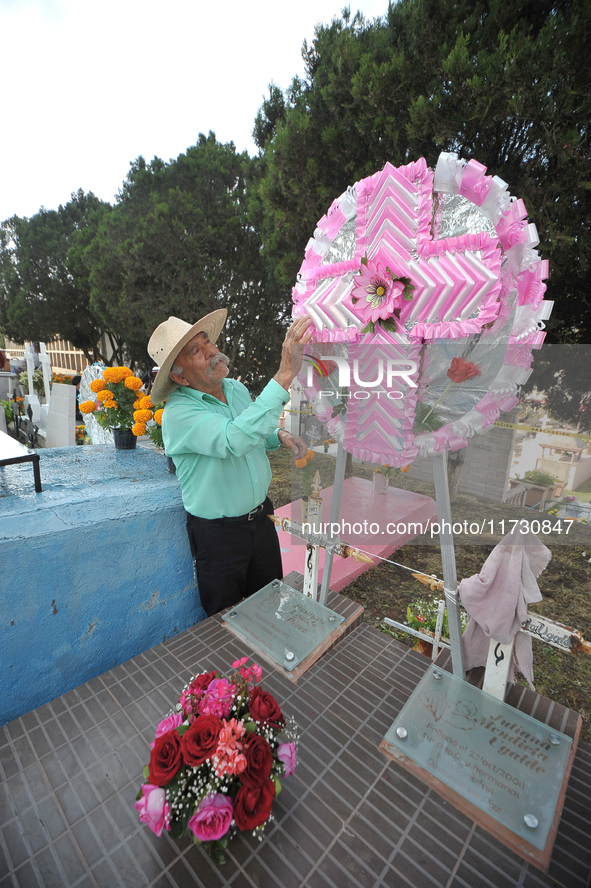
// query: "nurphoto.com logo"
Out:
[385,373]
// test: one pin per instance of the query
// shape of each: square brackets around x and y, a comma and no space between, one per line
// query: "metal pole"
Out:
[448,558]
[335,511]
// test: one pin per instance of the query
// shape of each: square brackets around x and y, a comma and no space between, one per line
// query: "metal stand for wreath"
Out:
[446,542]
[448,558]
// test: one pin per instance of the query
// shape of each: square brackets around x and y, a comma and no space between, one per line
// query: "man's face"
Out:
[202,363]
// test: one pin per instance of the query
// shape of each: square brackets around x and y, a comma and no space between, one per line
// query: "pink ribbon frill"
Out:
[333,221]
[475,185]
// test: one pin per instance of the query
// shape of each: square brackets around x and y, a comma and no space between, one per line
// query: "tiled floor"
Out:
[71,769]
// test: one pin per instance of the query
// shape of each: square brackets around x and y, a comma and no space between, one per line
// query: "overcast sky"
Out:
[89,86]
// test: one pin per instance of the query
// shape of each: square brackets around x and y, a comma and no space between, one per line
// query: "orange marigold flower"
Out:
[309,454]
[158,416]
[113,374]
[97,385]
[87,407]
[133,383]
[139,429]
[146,403]
[137,404]
[105,395]
[108,404]
[125,372]
[301,463]
[142,415]
[405,469]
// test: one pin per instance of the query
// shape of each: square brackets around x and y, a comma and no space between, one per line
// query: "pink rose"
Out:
[167,724]
[286,753]
[153,808]
[212,818]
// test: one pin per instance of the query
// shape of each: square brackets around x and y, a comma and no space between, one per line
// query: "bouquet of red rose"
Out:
[216,760]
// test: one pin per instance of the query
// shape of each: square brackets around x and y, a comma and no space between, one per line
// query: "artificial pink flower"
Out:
[378,294]
[212,818]
[167,724]
[286,753]
[153,808]
[238,663]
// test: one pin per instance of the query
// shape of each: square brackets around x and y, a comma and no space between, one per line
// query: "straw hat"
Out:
[170,338]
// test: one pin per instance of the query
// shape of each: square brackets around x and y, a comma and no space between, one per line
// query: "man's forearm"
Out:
[283,378]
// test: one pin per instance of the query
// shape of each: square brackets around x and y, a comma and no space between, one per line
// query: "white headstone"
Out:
[31,399]
[45,361]
[61,418]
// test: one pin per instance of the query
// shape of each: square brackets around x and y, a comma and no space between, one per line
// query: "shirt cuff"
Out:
[276,392]
[272,442]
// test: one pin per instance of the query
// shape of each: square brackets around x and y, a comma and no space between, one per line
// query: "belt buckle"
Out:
[254,512]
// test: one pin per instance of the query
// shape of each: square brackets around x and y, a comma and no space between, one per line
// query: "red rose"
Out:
[259,760]
[265,709]
[252,806]
[200,742]
[165,759]
[462,370]
[201,682]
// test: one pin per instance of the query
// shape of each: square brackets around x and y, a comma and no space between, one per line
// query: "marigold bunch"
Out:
[118,400]
[82,435]
[389,471]
[216,760]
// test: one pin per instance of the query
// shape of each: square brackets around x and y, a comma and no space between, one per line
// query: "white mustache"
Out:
[217,359]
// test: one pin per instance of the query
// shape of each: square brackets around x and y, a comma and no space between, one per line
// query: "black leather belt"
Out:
[252,514]
[239,519]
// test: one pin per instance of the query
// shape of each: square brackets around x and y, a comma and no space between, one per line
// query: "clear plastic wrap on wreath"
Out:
[426,296]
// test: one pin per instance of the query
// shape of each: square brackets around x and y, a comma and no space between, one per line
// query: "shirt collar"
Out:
[205,396]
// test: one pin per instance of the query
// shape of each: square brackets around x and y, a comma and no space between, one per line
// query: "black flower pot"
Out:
[124,439]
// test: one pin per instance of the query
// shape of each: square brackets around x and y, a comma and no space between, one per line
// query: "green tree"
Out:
[505,83]
[42,293]
[562,373]
[180,242]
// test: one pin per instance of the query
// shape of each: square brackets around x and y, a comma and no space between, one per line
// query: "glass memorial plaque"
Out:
[500,760]
[282,623]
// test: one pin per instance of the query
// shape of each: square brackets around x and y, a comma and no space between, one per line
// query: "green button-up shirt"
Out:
[219,449]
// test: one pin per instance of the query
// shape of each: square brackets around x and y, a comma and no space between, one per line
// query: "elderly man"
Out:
[217,437]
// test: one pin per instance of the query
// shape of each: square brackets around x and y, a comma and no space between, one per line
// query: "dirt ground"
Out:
[386,590]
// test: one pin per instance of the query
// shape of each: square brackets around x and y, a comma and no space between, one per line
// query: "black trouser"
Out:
[233,557]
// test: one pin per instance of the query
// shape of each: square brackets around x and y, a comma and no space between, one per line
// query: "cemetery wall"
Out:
[95,569]
[485,472]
